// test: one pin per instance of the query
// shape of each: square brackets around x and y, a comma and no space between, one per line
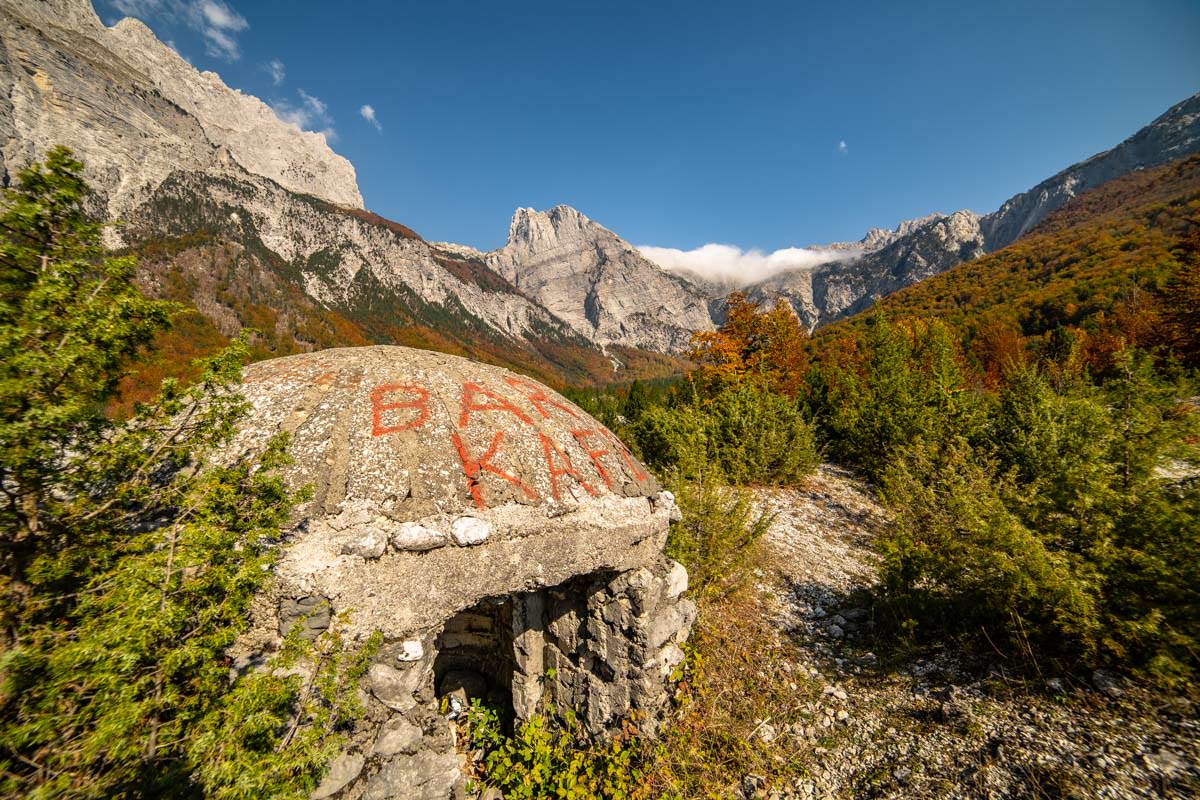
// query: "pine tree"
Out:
[132,551]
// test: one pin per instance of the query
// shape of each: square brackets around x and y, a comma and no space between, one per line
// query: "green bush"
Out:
[759,437]
[130,553]
[958,558]
[717,538]
[903,383]
[546,758]
[1067,524]
[745,434]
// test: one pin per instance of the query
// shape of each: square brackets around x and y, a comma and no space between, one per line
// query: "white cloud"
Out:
[276,70]
[368,113]
[729,264]
[310,114]
[219,24]
[216,21]
[842,147]
[140,8]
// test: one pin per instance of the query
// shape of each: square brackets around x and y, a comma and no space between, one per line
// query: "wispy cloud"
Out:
[368,113]
[217,22]
[276,70]
[308,114]
[843,148]
[729,264]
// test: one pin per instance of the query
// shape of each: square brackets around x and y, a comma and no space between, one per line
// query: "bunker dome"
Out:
[506,544]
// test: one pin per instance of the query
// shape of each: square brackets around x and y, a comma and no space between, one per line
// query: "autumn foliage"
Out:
[752,343]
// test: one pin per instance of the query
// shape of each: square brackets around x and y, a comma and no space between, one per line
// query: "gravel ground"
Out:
[931,726]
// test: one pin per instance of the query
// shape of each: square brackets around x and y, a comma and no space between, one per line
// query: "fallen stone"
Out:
[1109,683]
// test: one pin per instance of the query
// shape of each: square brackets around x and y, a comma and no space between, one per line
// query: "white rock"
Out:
[368,542]
[576,268]
[470,531]
[411,536]
[677,581]
[411,650]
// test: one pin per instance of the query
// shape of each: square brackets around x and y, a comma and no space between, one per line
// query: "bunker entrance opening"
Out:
[475,657]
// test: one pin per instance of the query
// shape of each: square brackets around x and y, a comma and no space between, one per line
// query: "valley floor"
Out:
[833,719]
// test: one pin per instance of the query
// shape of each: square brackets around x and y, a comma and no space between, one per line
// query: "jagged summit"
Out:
[134,111]
[597,282]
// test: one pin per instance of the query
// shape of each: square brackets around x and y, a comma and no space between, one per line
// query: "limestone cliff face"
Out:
[889,260]
[134,111]
[1173,135]
[598,283]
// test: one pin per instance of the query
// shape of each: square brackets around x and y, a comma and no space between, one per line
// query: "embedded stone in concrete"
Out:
[395,687]
[411,536]
[367,542]
[469,531]
[677,581]
[411,650]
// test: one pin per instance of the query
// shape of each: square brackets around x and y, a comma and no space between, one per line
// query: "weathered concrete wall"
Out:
[501,539]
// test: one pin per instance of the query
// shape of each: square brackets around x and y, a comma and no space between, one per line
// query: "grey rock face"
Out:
[1173,135]
[598,283]
[171,151]
[134,111]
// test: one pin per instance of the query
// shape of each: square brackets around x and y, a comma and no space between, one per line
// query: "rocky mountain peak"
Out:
[138,111]
[597,282]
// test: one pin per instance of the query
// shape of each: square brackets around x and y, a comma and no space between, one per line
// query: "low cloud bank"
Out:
[724,263]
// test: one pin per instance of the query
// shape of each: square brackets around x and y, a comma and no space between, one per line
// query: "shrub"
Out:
[759,437]
[958,558]
[745,434]
[549,758]
[901,383]
[718,536]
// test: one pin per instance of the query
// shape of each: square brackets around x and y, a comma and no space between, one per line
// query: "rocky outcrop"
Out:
[352,262]
[1173,135]
[134,111]
[597,283]
[891,260]
[505,544]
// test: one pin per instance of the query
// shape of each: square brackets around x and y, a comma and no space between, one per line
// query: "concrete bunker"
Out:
[505,544]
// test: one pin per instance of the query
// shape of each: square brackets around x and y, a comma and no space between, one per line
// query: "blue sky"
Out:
[758,124]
